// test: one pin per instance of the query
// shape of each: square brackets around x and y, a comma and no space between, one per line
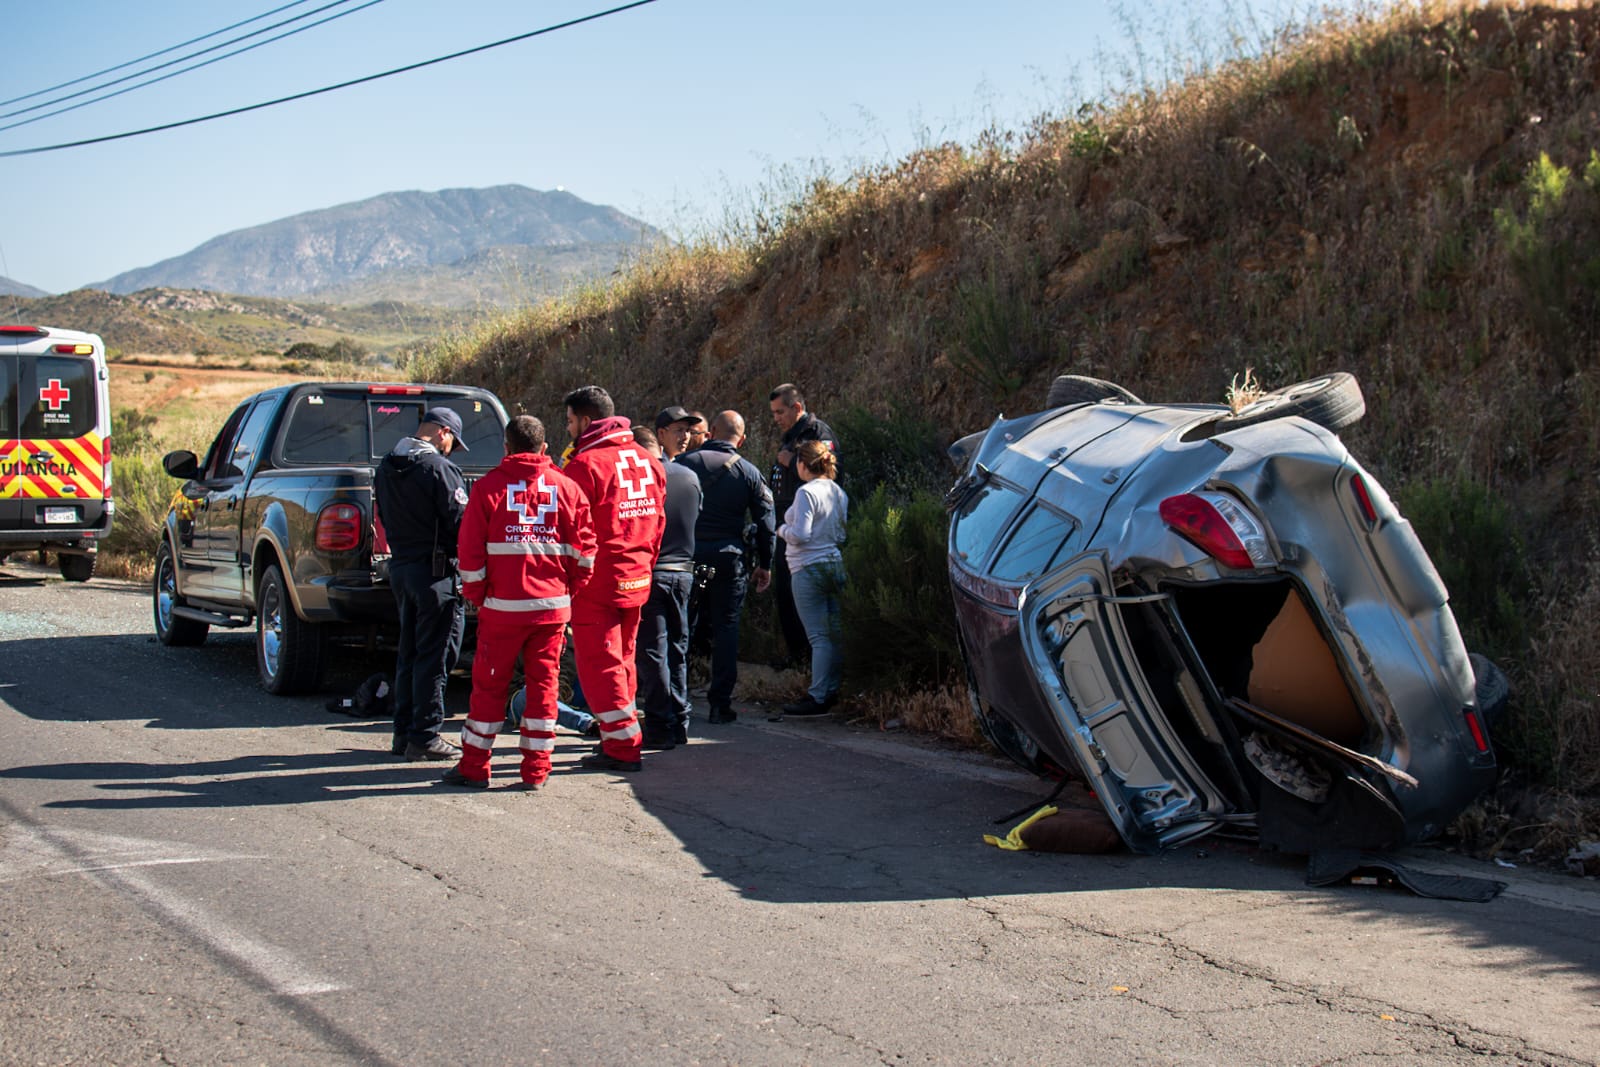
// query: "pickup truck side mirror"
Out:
[181,464]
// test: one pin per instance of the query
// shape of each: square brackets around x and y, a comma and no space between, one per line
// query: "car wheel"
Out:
[289,651]
[75,568]
[1076,389]
[170,630]
[1492,689]
[1333,402]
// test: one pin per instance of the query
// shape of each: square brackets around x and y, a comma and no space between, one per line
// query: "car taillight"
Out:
[1358,486]
[75,350]
[395,390]
[1479,739]
[1220,527]
[24,331]
[339,528]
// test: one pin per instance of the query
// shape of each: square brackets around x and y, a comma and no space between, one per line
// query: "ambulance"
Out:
[55,446]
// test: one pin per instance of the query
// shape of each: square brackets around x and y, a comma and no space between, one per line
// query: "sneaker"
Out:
[454,777]
[805,708]
[659,744]
[599,761]
[436,749]
[723,714]
[529,787]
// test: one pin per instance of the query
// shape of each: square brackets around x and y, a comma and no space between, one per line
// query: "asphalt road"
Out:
[193,872]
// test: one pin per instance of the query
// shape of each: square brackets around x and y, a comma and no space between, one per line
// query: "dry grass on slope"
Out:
[1353,200]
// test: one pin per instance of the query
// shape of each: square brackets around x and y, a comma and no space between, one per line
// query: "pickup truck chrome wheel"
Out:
[172,630]
[289,650]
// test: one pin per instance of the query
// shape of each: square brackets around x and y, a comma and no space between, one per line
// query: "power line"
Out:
[152,55]
[171,62]
[326,88]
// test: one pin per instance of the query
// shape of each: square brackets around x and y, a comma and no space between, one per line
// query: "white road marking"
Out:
[279,971]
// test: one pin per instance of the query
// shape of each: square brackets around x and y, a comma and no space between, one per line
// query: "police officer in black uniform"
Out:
[421,497]
[798,425]
[662,653]
[732,489]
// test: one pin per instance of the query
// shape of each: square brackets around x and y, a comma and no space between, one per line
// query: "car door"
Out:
[225,549]
[206,498]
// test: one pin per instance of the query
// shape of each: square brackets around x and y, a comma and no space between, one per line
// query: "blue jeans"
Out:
[662,657]
[566,715]
[816,597]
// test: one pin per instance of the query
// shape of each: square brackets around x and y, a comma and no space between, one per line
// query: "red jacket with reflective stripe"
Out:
[627,489]
[527,542]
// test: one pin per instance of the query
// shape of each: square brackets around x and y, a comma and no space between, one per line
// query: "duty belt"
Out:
[686,567]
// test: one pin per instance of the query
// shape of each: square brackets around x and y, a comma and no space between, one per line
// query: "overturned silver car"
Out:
[1218,618]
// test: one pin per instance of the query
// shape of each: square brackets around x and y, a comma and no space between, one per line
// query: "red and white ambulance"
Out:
[55,445]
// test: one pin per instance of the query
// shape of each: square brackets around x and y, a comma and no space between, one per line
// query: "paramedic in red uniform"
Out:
[526,546]
[626,487]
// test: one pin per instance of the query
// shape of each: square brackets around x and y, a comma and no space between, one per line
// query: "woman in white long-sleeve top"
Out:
[813,530]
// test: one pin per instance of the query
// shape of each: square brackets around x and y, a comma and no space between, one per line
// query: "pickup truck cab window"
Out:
[251,437]
[219,461]
[1034,545]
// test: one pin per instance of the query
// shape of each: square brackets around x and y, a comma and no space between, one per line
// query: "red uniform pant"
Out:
[603,639]
[499,643]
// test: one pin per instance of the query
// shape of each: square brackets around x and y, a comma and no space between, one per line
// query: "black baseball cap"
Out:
[447,418]
[667,416]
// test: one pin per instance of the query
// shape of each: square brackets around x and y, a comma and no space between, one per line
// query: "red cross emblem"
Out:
[637,490]
[534,505]
[54,395]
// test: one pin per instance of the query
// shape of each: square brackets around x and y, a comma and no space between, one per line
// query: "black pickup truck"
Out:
[276,526]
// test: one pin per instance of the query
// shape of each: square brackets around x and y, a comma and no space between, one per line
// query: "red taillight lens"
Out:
[395,390]
[1219,527]
[74,350]
[1358,485]
[1480,740]
[339,528]
[24,331]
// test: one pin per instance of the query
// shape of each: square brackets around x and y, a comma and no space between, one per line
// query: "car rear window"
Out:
[1034,545]
[982,519]
[8,397]
[58,397]
[339,429]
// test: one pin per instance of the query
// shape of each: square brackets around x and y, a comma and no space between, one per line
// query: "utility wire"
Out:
[325,88]
[180,59]
[152,55]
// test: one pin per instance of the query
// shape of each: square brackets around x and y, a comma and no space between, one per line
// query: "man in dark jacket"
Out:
[797,426]
[421,497]
[733,489]
[662,654]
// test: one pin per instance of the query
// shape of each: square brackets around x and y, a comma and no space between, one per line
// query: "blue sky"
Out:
[678,112]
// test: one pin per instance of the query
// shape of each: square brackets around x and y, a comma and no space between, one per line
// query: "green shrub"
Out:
[900,452]
[1475,545]
[1554,246]
[143,490]
[132,430]
[895,609]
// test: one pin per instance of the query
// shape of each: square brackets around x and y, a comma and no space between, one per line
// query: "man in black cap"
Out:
[675,427]
[421,497]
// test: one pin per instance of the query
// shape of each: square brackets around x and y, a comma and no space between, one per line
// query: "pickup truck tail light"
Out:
[1219,526]
[339,528]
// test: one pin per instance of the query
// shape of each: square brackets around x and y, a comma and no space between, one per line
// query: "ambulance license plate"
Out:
[61,516]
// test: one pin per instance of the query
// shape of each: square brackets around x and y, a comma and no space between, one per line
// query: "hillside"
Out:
[411,232]
[1413,197]
[183,321]
[503,276]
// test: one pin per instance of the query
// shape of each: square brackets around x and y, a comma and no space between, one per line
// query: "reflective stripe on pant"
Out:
[603,640]
[499,643]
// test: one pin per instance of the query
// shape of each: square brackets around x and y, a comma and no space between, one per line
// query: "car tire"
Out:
[1077,389]
[1333,402]
[75,568]
[171,631]
[289,650]
[1491,689]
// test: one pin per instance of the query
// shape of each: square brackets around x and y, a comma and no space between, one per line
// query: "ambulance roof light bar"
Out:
[24,331]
